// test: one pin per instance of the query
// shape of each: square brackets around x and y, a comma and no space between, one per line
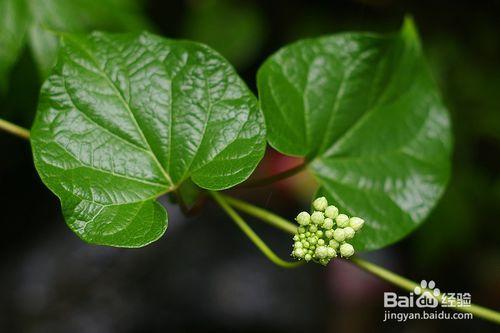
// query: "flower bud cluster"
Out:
[324,234]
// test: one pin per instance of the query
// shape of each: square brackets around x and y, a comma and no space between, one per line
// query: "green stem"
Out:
[264,215]
[410,285]
[14,129]
[395,279]
[274,178]
[251,234]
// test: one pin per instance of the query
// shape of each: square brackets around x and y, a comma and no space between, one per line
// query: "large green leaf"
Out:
[365,112]
[41,19]
[126,118]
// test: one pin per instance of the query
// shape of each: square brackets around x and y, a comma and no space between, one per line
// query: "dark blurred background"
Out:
[204,275]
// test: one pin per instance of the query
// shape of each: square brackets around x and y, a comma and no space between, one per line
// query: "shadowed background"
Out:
[204,275]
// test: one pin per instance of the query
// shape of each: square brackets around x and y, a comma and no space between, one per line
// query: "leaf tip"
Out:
[409,28]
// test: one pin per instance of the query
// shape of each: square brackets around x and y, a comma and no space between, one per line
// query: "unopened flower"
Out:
[349,232]
[303,218]
[322,234]
[356,223]
[331,212]
[328,223]
[346,250]
[317,217]
[320,204]
[339,235]
[342,220]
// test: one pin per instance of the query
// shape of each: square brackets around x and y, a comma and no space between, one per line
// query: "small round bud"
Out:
[313,228]
[333,244]
[331,212]
[303,218]
[356,223]
[349,232]
[317,218]
[306,244]
[297,245]
[321,252]
[319,233]
[301,230]
[346,250]
[308,257]
[328,223]
[312,240]
[302,236]
[308,234]
[320,204]
[324,262]
[299,253]
[331,252]
[321,242]
[339,235]
[329,233]
[296,237]
[342,220]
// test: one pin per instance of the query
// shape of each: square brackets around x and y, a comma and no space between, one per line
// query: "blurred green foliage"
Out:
[235,29]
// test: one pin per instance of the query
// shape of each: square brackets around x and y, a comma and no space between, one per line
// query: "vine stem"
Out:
[14,129]
[274,178]
[261,245]
[277,221]
[384,274]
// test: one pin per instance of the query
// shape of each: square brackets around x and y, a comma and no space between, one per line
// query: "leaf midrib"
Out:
[132,116]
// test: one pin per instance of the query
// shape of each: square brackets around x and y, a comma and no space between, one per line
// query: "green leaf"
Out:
[13,25]
[41,20]
[188,194]
[365,112]
[126,118]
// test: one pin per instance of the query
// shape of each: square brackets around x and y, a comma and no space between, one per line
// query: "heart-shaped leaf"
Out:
[126,118]
[365,112]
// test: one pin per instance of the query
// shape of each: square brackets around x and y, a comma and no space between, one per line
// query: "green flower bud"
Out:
[299,253]
[331,252]
[317,218]
[339,234]
[331,212]
[312,240]
[349,232]
[329,233]
[333,244]
[342,220]
[328,223]
[320,204]
[356,223]
[321,252]
[346,250]
[322,235]
[303,218]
